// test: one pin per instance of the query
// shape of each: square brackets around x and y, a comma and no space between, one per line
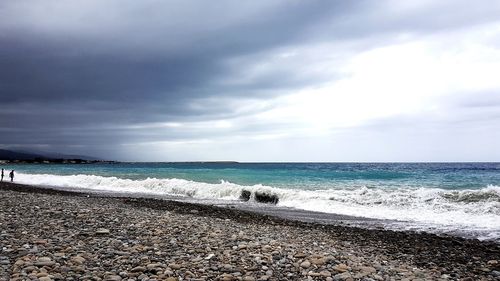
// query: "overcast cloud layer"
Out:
[252,80]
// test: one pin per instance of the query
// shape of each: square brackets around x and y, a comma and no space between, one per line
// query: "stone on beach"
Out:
[78,259]
[102,231]
[263,197]
[245,195]
[44,261]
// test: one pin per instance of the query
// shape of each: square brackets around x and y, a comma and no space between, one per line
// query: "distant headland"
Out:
[10,156]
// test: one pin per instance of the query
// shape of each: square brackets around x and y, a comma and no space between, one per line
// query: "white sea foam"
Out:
[424,208]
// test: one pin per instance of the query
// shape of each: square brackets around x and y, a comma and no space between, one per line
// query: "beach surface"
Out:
[48,234]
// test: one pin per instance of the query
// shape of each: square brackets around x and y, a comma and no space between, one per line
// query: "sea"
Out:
[461,199]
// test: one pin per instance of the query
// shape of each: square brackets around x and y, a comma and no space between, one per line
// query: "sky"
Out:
[257,81]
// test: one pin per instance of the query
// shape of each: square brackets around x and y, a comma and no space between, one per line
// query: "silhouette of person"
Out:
[2,176]
[11,176]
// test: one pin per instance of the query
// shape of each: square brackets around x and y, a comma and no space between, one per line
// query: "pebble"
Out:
[102,231]
[325,273]
[78,259]
[305,264]
[344,276]
[44,261]
[138,269]
[341,267]
[174,266]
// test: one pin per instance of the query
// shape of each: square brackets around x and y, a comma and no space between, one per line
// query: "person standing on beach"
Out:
[11,176]
[2,176]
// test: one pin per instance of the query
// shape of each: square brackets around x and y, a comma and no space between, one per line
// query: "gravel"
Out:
[55,235]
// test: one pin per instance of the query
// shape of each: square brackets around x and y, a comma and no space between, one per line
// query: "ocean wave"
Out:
[473,209]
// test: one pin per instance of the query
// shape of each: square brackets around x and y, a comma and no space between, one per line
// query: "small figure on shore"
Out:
[2,176]
[11,176]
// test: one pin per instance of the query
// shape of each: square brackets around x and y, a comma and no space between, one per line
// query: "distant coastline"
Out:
[54,161]
[21,157]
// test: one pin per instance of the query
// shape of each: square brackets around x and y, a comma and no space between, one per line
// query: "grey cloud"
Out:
[70,72]
[67,67]
[483,99]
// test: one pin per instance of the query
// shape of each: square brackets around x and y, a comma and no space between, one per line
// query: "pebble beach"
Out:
[48,234]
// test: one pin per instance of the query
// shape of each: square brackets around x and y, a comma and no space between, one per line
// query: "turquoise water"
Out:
[446,197]
[309,176]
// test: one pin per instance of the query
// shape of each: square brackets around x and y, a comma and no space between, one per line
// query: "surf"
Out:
[420,208]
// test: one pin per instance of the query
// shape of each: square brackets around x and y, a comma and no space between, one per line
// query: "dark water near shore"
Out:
[461,198]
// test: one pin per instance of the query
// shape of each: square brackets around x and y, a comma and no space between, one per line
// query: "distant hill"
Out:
[55,155]
[23,155]
[14,155]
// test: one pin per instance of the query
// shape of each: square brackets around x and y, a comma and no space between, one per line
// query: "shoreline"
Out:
[448,255]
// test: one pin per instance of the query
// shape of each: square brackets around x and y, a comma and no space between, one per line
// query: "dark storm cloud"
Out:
[137,59]
[140,67]
[80,73]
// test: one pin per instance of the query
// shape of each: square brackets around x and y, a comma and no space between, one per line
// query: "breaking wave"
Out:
[474,210]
